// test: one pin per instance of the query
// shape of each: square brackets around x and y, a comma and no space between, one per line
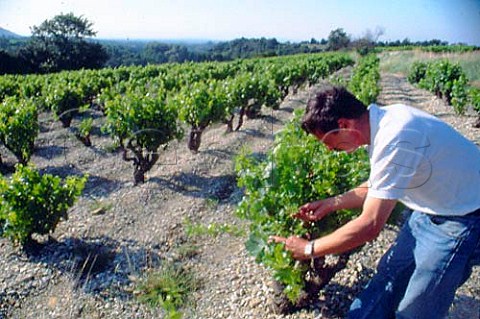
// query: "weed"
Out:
[212,229]
[170,288]
[211,202]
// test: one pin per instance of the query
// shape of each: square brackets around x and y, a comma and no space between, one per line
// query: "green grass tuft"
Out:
[170,288]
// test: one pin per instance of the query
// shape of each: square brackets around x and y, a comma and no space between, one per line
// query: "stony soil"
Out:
[132,229]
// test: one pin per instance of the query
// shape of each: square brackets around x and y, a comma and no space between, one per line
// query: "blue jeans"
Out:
[418,276]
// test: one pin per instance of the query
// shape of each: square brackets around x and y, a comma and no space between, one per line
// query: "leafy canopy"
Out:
[64,26]
[61,44]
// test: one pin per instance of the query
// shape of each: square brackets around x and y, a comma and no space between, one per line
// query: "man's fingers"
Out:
[299,215]
[277,239]
[305,215]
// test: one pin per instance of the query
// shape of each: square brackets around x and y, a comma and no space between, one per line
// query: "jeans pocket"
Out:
[451,226]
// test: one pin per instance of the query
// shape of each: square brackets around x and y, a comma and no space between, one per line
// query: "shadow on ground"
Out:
[97,265]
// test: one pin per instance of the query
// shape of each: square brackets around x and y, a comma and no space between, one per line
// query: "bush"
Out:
[474,96]
[459,95]
[298,170]
[199,105]
[474,99]
[64,101]
[140,124]
[19,127]
[440,77]
[417,72]
[84,130]
[445,79]
[31,203]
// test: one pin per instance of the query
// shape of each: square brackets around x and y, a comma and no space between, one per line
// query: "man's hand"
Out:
[314,211]
[294,244]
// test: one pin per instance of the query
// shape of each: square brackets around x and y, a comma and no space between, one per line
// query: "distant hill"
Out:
[4,33]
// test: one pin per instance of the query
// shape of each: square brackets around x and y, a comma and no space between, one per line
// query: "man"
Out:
[420,161]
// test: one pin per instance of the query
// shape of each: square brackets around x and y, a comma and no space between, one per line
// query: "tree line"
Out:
[66,42]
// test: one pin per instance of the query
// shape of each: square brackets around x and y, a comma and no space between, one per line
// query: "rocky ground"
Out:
[132,229]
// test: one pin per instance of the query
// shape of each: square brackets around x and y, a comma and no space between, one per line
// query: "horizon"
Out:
[216,21]
[205,41]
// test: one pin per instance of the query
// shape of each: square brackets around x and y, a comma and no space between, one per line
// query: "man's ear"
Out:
[345,123]
[342,123]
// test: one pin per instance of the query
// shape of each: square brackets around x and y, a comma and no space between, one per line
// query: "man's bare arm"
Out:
[358,231]
[353,198]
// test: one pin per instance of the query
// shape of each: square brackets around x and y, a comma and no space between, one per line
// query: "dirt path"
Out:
[141,227]
[396,89]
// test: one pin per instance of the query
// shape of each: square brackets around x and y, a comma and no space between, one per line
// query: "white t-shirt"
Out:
[422,162]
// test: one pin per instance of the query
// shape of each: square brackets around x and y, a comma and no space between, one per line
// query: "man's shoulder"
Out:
[405,111]
[399,108]
[398,123]
[402,115]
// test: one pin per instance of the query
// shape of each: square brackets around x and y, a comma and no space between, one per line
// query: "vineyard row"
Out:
[144,108]
[147,107]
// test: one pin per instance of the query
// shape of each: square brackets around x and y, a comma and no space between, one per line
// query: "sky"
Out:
[455,21]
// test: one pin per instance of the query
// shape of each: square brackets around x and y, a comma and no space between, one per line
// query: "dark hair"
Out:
[327,106]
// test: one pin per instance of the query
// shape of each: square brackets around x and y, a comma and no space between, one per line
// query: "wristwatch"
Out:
[309,249]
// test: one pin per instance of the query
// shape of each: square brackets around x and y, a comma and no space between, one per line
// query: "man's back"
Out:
[422,161]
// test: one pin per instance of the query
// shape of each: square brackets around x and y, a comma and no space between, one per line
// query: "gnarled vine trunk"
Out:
[141,163]
[318,275]
[195,139]
[84,139]
[253,110]
[229,122]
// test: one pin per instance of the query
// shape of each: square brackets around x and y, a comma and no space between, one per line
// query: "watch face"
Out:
[309,249]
